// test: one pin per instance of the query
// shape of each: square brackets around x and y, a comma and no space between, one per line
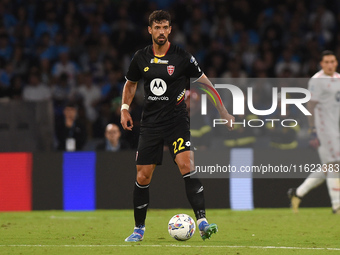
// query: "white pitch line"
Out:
[173,245]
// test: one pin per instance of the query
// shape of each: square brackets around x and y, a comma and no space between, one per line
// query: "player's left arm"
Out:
[205,82]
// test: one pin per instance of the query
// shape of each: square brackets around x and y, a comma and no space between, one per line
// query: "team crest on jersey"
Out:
[171,69]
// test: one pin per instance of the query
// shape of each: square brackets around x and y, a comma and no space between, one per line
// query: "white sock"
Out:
[312,181]
[139,228]
[333,184]
[200,220]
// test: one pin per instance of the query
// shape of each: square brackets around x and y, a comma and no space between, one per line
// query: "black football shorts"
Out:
[152,140]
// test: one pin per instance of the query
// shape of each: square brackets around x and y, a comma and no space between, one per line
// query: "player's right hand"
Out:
[125,120]
[314,140]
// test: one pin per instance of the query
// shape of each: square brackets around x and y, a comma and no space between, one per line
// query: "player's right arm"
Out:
[129,92]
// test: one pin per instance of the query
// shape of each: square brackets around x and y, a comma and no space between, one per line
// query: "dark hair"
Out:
[158,16]
[327,53]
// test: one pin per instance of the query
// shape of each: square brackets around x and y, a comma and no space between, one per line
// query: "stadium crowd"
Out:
[79,50]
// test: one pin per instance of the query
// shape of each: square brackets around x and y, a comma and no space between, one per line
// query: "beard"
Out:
[156,40]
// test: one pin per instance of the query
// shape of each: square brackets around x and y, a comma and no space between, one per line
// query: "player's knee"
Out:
[184,167]
[143,179]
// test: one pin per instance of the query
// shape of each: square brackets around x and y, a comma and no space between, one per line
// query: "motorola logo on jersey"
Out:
[158,87]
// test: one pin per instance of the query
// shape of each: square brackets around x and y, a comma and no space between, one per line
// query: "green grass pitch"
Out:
[262,231]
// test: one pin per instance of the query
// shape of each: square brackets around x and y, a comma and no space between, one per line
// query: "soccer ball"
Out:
[181,227]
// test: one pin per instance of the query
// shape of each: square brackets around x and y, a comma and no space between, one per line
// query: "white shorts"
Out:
[329,150]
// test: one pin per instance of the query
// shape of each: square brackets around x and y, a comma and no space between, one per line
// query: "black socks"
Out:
[140,203]
[195,194]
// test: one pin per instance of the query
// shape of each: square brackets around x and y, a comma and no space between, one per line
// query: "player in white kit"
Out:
[325,132]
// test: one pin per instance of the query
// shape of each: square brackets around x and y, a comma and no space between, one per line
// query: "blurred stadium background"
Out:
[53,52]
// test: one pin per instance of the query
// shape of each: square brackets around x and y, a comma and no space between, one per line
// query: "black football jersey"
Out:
[164,83]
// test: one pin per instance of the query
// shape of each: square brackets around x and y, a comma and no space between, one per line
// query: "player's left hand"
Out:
[230,118]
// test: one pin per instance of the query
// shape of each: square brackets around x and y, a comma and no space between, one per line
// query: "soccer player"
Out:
[165,69]
[325,132]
